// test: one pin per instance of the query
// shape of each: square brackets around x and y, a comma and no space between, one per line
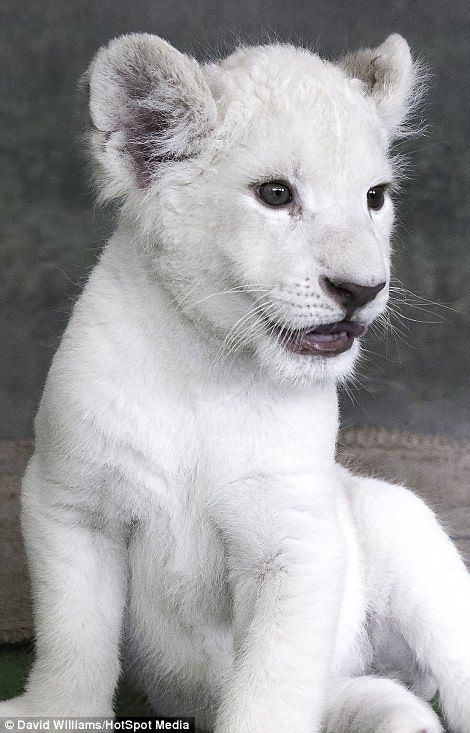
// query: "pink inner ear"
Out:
[146,126]
[142,132]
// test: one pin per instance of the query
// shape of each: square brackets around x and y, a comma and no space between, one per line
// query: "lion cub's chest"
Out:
[221,440]
[254,432]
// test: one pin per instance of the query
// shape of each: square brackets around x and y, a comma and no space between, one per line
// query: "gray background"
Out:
[51,234]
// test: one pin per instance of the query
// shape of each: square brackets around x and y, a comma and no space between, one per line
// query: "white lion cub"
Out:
[183,507]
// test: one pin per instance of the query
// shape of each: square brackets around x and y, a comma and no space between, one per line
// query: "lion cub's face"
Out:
[263,184]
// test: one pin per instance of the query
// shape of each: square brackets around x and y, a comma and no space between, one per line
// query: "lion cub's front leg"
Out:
[285,558]
[79,576]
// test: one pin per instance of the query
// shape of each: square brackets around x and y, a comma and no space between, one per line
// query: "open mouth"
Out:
[329,339]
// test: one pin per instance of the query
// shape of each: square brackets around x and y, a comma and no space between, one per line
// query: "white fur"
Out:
[183,502]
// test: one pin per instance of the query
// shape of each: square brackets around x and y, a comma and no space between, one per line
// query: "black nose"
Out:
[350,295]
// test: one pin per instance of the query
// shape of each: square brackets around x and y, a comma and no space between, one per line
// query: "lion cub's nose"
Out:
[350,295]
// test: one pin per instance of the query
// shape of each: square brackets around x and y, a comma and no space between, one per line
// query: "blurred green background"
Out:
[51,234]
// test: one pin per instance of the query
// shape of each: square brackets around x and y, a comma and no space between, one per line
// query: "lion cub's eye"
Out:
[376,197]
[274,193]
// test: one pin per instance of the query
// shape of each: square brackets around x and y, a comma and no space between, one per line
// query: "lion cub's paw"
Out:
[15,707]
[420,720]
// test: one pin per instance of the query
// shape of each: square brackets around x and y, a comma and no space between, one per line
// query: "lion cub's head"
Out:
[260,187]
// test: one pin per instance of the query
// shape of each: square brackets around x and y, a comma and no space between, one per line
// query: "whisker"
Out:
[415,298]
[236,338]
[256,307]
[235,289]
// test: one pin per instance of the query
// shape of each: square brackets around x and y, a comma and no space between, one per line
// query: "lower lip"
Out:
[319,344]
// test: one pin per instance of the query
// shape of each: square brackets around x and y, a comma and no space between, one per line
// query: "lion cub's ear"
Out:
[149,104]
[391,77]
